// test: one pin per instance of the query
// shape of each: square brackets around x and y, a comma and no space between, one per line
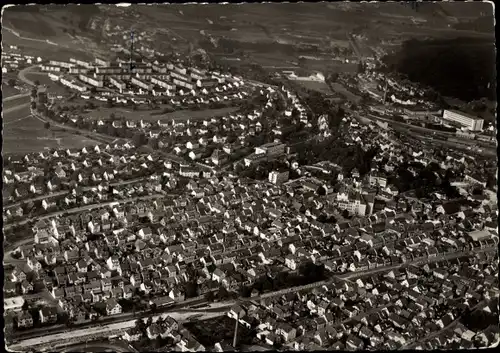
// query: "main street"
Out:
[117,322]
[64,192]
[64,337]
[86,208]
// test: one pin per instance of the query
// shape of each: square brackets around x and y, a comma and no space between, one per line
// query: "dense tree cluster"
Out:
[308,272]
[335,150]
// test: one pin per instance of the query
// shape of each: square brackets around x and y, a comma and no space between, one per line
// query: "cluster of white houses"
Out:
[81,75]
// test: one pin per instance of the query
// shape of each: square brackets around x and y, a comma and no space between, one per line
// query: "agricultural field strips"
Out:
[23,134]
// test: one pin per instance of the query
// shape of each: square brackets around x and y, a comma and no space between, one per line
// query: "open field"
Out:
[346,93]
[316,86]
[43,78]
[14,102]
[23,134]
[138,115]
[8,91]
[219,329]
[56,48]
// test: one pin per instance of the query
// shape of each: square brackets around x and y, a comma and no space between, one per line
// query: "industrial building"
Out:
[471,122]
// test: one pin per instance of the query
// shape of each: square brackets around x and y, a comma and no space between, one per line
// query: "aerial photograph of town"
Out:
[253,177]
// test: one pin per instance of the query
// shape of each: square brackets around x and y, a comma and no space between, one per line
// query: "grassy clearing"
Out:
[14,102]
[53,87]
[104,113]
[8,91]
[24,134]
[208,332]
[316,86]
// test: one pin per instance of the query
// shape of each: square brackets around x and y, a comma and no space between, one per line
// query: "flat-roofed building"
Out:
[473,123]
[479,235]
[13,303]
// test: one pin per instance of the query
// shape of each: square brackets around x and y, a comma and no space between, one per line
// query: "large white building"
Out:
[352,203]
[471,122]
[13,303]
[276,177]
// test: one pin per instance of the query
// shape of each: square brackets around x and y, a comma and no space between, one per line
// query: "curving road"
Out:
[22,75]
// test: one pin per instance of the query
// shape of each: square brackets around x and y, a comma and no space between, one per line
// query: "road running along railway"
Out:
[115,326]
